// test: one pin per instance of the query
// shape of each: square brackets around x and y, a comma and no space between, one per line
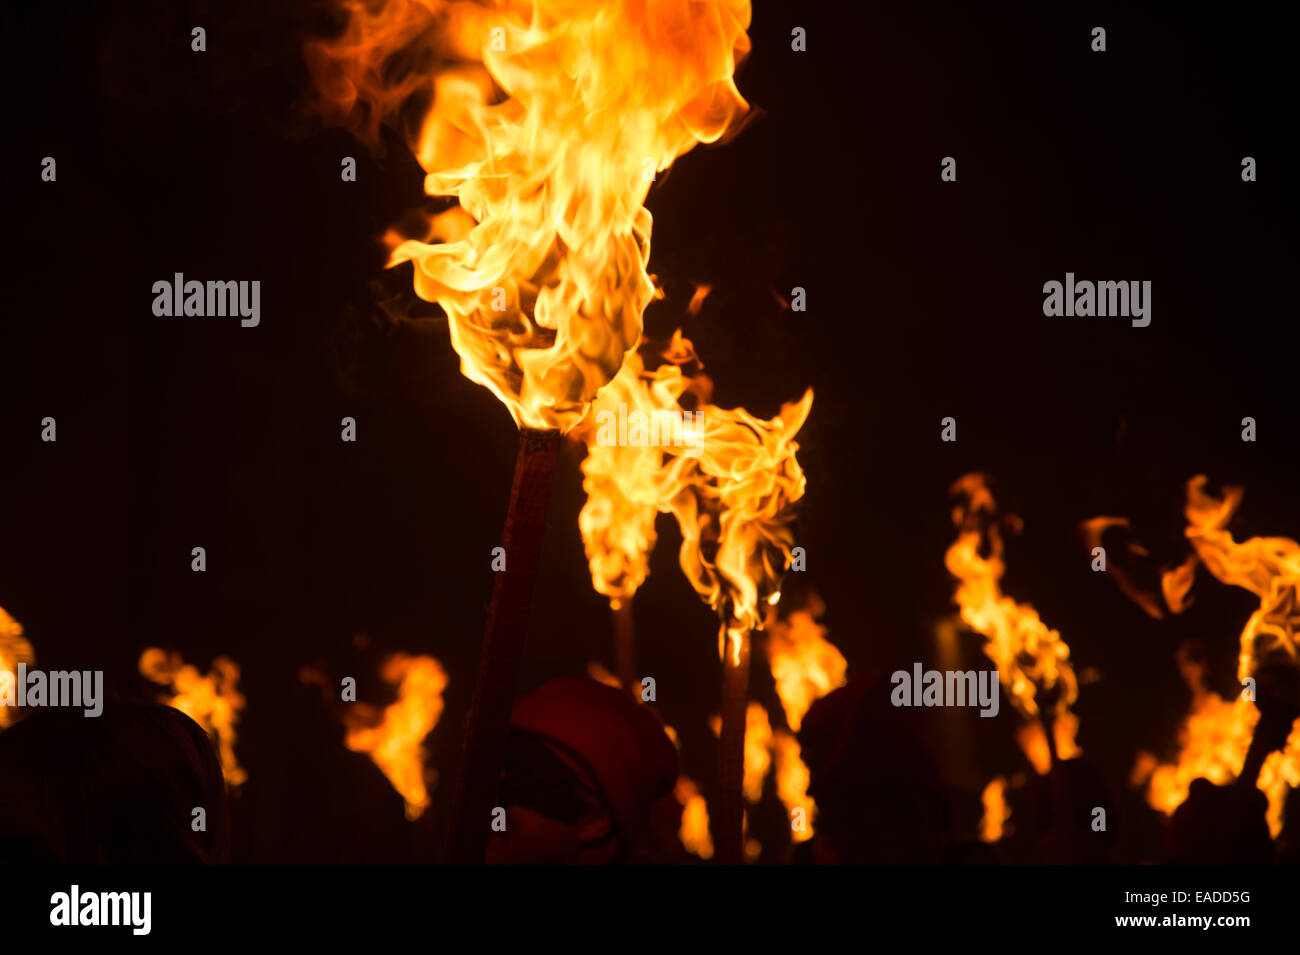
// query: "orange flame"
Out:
[805,665]
[548,137]
[14,649]
[1216,735]
[1268,567]
[792,779]
[694,832]
[395,740]
[731,483]
[996,810]
[758,748]
[1028,654]
[212,701]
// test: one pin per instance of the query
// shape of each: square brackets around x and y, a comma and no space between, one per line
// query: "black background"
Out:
[924,300]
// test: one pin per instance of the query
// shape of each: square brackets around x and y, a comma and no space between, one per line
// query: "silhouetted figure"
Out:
[120,788]
[588,779]
[877,787]
[1060,817]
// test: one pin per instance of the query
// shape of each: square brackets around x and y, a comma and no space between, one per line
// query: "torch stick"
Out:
[503,645]
[625,647]
[729,834]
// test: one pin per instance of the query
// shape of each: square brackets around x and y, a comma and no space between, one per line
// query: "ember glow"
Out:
[14,649]
[212,701]
[549,120]
[394,739]
[1029,655]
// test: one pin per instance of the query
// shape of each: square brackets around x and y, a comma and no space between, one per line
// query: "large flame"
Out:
[212,701]
[395,738]
[731,484]
[1029,655]
[14,649]
[548,121]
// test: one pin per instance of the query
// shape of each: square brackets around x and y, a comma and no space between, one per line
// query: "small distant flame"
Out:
[395,739]
[996,810]
[792,779]
[212,701]
[547,121]
[14,649]
[1029,655]
[758,748]
[697,300]
[805,665]
[1280,773]
[601,675]
[694,832]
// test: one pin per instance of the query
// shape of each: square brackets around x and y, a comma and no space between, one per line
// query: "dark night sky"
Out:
[924,301]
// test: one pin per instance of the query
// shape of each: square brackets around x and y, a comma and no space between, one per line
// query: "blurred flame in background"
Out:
[1216,735]
[212,701]
[805,665]
[996,811]
[1028,654]
[546,121]
[394,738]
[14,649]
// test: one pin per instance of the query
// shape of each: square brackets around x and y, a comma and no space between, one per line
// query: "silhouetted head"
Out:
[588,778]
[118,788]
[879,795]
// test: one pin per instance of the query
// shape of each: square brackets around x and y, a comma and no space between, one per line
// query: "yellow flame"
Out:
[14,649]
[1028,654]
[212,701]
[996,810]
[548,135]
[395,740]
[731,484]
